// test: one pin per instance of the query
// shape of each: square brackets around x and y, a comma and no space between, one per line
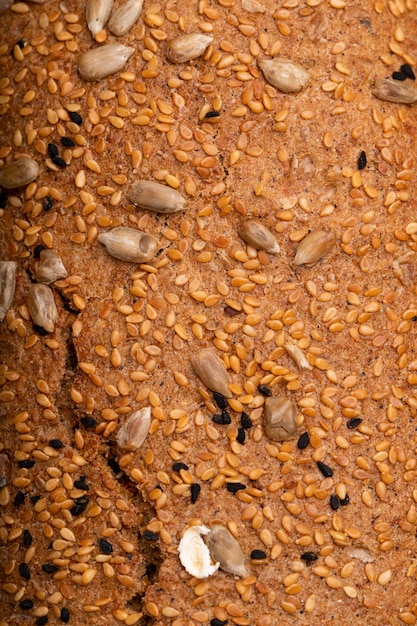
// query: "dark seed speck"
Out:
[309,557]
[26,605]
[37,251]
[24,571]
[220,400]
[345,500]
[47,203]
[241,435]
[303,441]
[218,622]
[49,568]
[88,422]
[179,466]
[212,114]
[26,463]
[75,117]
[56,444]
[407,70]
[27,538]
[265,390]
[3,200]
[195,492]
[399,76]
[362,160]
[150,536]
[57,160]
[67,142]
[41,621]
[65,615]
[105,546]
[19,498]
[354,422]
[258,554]
[53,150]
[334,502]
[235,487]
[245,421]
[325,469]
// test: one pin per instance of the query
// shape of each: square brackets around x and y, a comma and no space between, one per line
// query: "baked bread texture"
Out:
[208,312]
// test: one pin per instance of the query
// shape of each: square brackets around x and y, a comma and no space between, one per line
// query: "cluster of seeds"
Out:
[208,304]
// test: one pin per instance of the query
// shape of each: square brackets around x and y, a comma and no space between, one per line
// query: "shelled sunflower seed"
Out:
[194,554]
[18,173]
[210,369]
[124,18]
[49,268]
[314,247]
[104,61]
[97,13]
[7,286]
[226,551]
[128,244]
[185,48]
[392,90]
[41,305]
[156,197]
[258,236]
[284,74]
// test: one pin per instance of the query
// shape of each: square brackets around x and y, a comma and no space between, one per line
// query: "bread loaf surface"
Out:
[208,290]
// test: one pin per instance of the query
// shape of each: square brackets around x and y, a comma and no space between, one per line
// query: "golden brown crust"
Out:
[235,148]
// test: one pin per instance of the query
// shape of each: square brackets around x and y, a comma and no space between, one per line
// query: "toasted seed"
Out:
[314,246]
[298,356]
[187,47]
[280,418]
[128,244]
[284,74]
[156,197]
[259,237]
[42,307]
[7,286]
[394,91]
[225,550]
[49,268]
[253,6]
[194,554]
[212,372]
[97,13]
[18,173]
[100,62]
[125,17]
[134,431]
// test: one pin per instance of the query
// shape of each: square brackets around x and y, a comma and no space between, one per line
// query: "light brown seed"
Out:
[18,173]
[125,17]
[210,369]
[97,13]
[298,356]
[187,47]
[314,246]
[135,430]
[284,74]
[128,244]
[258,236]
[7,286]
[280,418]
[41,305]
[253,6]
[103,61]
[49,268]
[224,549]
[156,197]
[394,91]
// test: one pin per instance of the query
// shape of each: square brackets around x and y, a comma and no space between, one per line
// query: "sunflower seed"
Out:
[392,90]
[210,369]
[7,286]
[41,305]
[314,246]
[156,197]
[280,418]
[128,244]
[259,237]
[49,268]
[187,47]
[253,6]
[194,554]
[97,12]
[284,74]
[103,61]
[18,173]
[226,551]
[298,356]
[134,431]
[125,16]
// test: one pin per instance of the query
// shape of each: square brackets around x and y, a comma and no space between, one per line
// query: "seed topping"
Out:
[153,196]
[135,430]
[259,237]
[187,47]
[7,286]
[396,91]
[194,553]
[226,551]
[97,63]
[286,75]
[18,173]
[128,244]
[210,369]
[280,418]
[97,13]
[42,308]
[314,247]
[124,18]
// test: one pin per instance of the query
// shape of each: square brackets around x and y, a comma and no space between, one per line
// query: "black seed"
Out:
[88,422]
[212,114]
[27,538]
[150,536]
[226,417]
[41,621]
[79,506]
[56,444]
[217,419]
[20,43]
[150,569]
[3,200]
[309,557]
[47,203]
[345,500]
[325,469]
[67,142]
[195,492]
[35,499]
[265,390]
[75,117]
[303,441]
[231,312]
[105,546]
[38,329]
[334,502]
[179,466]
[26,464]
[81,484]
[37,251]
[65,615]
[258,554]
[218,622]
[49,568]
[53,150]
[114,466]
[235,487]
[406,69]
[399,76]
[241,435]
[26,605]
[245,421]
[354,422]
[19,498]
[24,571]
[362,161]
[57,160]
[220,400]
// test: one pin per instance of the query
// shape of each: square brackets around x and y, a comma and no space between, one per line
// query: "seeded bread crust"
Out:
[338,547]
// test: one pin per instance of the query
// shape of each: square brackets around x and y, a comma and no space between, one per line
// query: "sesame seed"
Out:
[303,441]
[408,71]
[57,160]
[88,422]
[75,117]
[49,568]
[220,400]
[65,615]
[195,492]
[362,160]
[105,546]
[235,487]
[211,114]
[354,422]
[26,464]
[81,483]
[257,555]
[399,76]
[150,536]
[19,498]
[26,604]
[24,571]
[27,538]
[179,466]
[41,621]
[309,557]
[53,150]
[56,444]
[345,501]
[241,435]
[265,390]
[47,203]
[334,502]
[325,469]
[80,505]
[245,421]
[67,142]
